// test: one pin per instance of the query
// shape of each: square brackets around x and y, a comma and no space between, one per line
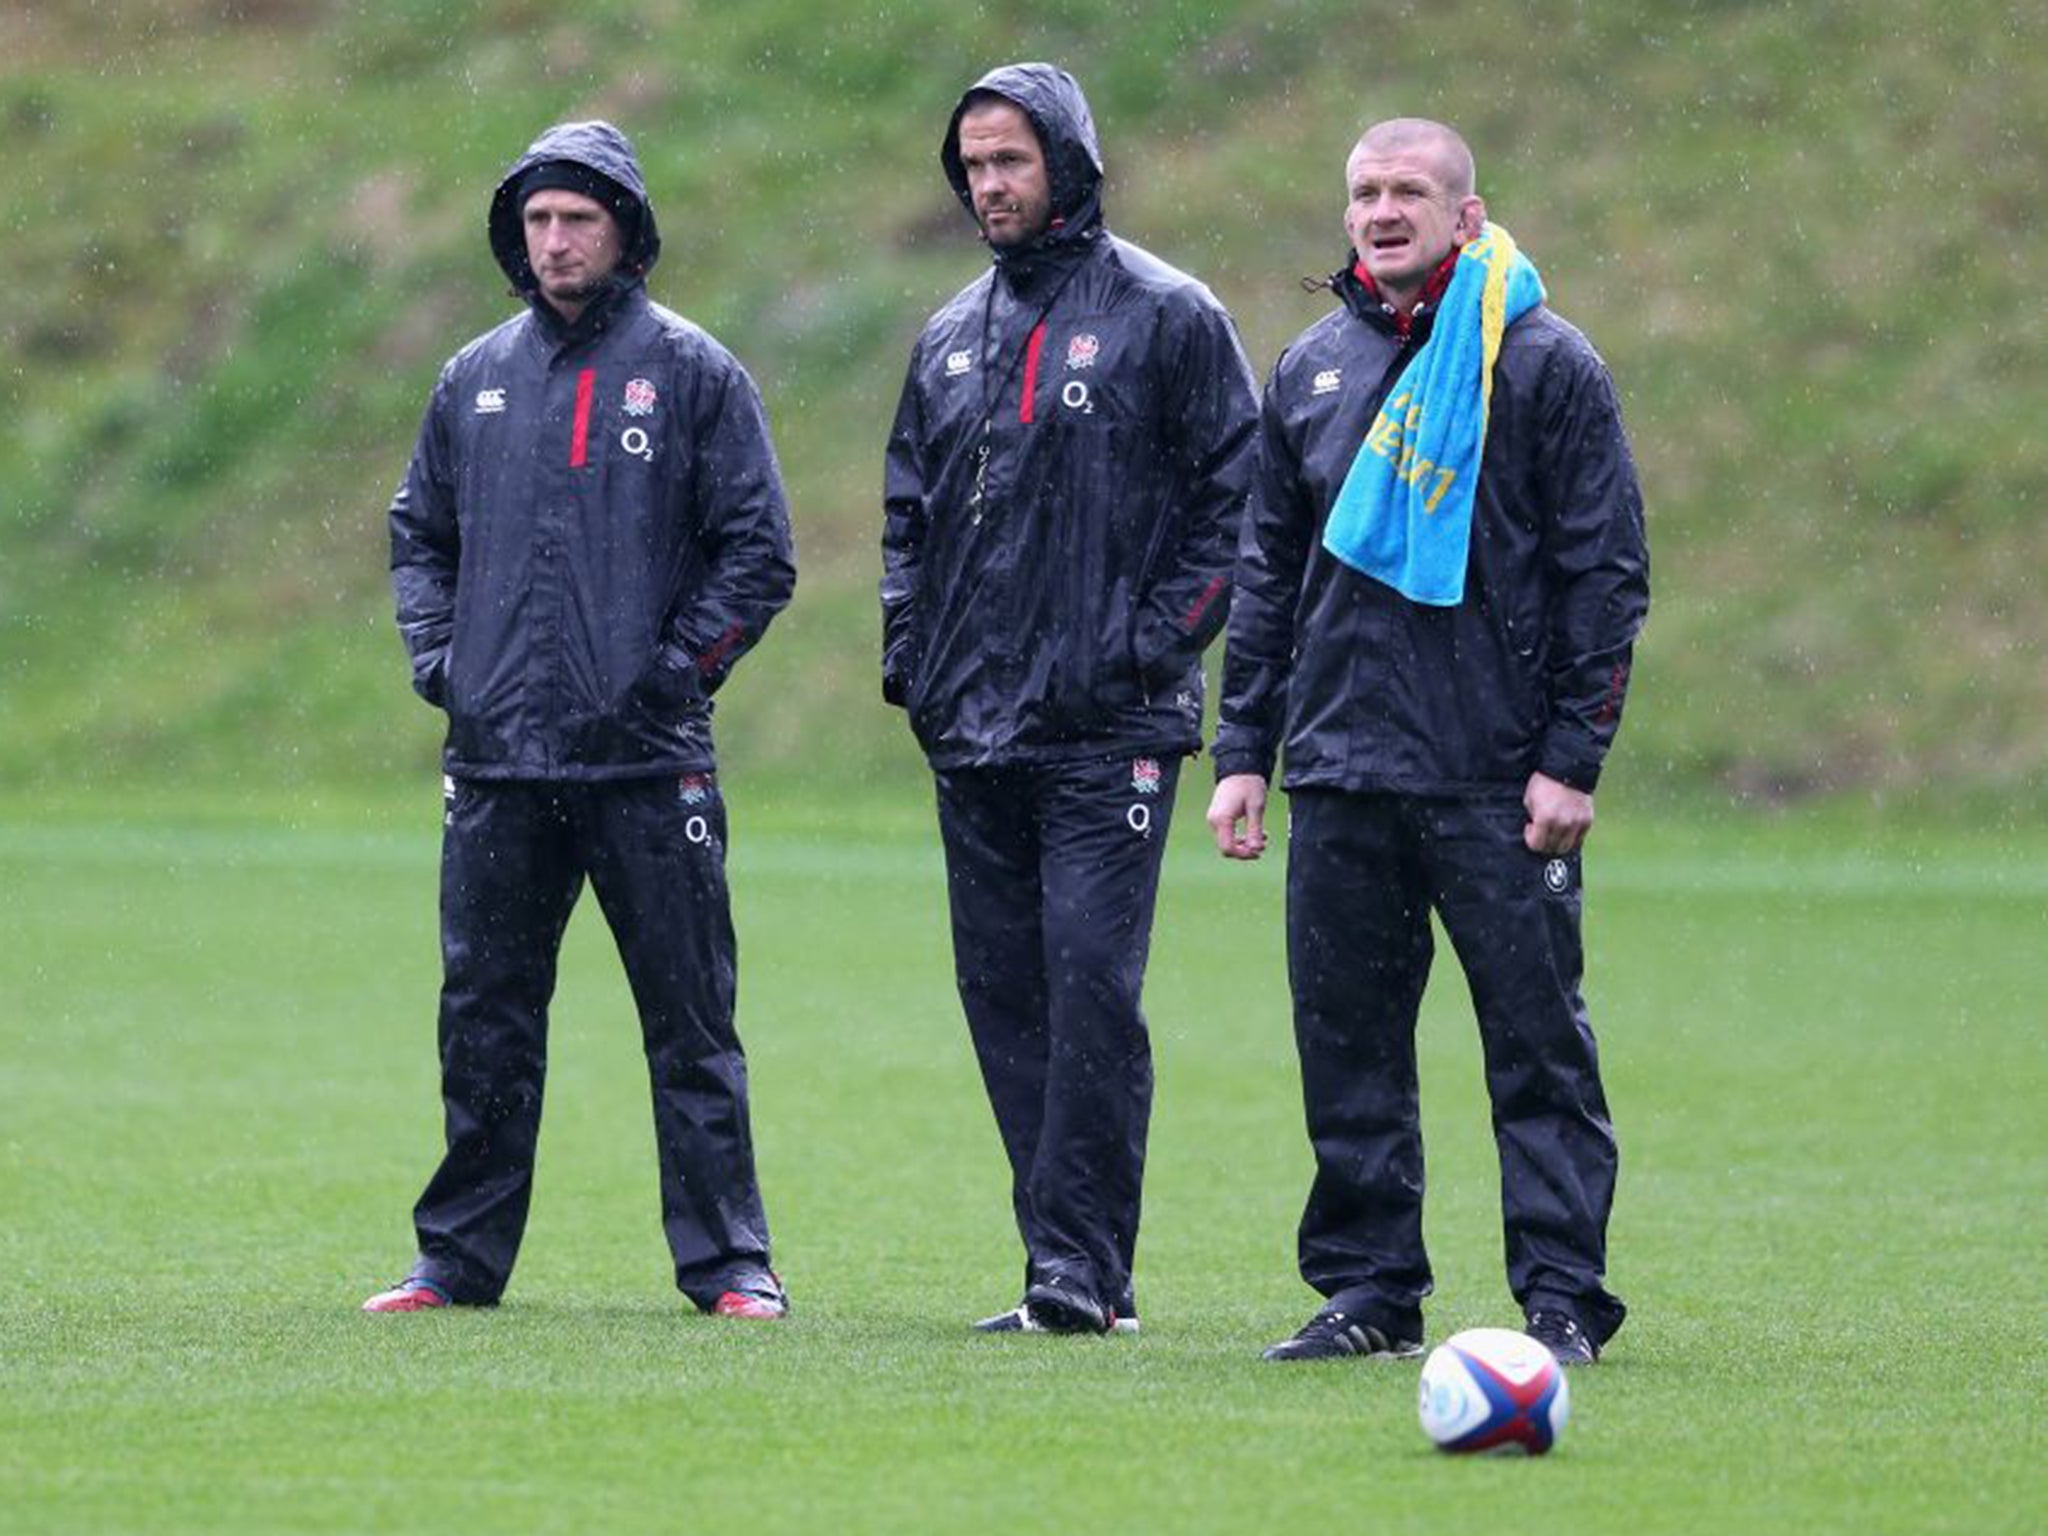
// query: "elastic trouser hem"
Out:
[1052,880]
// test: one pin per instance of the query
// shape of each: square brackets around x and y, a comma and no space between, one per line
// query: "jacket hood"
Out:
[1059,114]
[596,146]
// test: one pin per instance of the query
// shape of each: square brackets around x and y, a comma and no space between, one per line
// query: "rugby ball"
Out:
[1493,1390]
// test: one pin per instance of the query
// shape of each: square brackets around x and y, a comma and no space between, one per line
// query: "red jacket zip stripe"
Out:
[579,434]
[1031,351]
[1201,604]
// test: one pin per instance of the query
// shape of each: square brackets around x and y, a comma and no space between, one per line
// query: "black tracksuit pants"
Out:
[1363,874]
[513,860]
[1052,872]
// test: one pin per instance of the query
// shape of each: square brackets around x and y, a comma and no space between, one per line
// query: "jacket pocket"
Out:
[670,690]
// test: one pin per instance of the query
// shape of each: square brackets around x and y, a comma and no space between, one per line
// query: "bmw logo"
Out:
[1558,876]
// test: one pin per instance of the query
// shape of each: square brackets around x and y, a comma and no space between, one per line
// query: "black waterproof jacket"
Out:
[592,528]
[1100,400]
[1368,691]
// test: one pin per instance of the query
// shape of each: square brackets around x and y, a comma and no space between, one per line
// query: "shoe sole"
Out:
[1363,1349]
[1278,1352]
[755,1309]
[1051,1312]
[1019,1320]
[410,1295]
[1016,1320]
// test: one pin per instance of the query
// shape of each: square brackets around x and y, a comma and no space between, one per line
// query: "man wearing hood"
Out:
[1066,475]
[591,532]
[1444,716]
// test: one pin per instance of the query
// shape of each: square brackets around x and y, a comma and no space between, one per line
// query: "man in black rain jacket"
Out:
[591,532]
[1437,757]
[1065,480]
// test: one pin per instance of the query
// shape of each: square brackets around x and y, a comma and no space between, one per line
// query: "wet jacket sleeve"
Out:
[1272,557]
[426,548]
[1598,562]
[748,559]
[903,529]
[1211,426]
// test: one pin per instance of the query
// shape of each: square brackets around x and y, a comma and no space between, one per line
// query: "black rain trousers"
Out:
[1052,871]
[1364,872]
[514,859]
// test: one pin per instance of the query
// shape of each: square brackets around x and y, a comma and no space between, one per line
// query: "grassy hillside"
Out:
[246,232]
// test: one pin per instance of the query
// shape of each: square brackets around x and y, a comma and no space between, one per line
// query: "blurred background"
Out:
[244,234]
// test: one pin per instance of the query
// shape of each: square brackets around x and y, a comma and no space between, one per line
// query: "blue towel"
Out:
[1404,515]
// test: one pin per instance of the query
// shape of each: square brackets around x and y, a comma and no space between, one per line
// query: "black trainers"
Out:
[1334,1335]
[1055,1309]
[1560,1333]
[1018,1320]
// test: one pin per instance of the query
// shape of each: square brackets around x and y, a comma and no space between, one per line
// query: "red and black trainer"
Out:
[414,1295]
[761,1299]
[746,1304]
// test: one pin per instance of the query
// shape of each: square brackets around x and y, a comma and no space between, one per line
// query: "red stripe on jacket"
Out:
[1031,351]
[1201,604]
[579,434]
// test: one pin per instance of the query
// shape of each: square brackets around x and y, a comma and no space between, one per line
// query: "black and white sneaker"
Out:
[1560,1333]
[1334,1335]
[1056,1309]
[1018,1320]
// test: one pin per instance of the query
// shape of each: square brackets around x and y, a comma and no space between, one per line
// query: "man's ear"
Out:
[1471,219]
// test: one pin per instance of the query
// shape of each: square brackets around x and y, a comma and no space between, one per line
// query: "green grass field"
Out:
[1824,1048]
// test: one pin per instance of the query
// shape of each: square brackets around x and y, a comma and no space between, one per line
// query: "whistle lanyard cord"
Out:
[990,397]
[992,394]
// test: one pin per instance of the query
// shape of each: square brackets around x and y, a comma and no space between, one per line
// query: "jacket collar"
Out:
[1361,295]
[1027,268]
[619,299]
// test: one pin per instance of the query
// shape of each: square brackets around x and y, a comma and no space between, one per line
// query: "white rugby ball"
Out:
[1493,1390]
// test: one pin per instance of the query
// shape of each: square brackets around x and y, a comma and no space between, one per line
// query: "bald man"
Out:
[1442,748]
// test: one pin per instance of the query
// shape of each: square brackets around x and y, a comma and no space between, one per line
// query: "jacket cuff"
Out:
[1237,759]
[1571,759]
[430,678]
